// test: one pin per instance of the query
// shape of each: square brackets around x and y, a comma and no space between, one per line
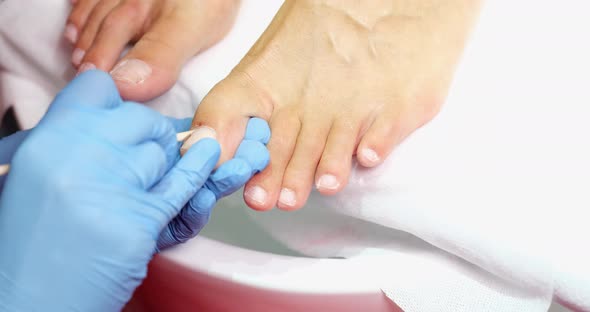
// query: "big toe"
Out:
[141,79]
[226,110]
[152,66]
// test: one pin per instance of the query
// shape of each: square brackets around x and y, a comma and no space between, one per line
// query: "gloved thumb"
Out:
[93,88]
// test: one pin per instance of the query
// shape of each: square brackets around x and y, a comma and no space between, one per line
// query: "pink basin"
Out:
[207,275]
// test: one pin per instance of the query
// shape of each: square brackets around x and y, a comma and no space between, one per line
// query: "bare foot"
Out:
[336,79]
[167,33]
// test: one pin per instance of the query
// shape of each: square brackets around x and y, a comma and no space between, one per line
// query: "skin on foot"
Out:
[336,79]
[166,34]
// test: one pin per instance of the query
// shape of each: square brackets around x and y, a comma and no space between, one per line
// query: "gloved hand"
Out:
[250,158]
[89,193]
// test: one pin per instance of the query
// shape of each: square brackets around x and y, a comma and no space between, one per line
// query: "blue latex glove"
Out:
[90,191]
[250,158]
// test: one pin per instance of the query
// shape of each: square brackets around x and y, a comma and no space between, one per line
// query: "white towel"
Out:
[499,179]
[481,210]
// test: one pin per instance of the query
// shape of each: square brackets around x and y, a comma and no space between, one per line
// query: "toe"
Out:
[177,34]
[334,167]
[383,135]
[77,19]
[109,29]
[93,21]
[227,108]
[262,192]
[299,174]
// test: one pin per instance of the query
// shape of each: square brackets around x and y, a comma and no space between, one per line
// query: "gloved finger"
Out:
[257,130]
[141,124]
[251,157]
[189,222]
[229,177]
[132,124]
[93,89]
[181,124]
[183,181]
[254,153]
[143,165]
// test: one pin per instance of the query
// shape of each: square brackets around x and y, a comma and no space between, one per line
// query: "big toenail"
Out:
[77,56]
[85,67]
[328,182]
[370,155]
[287,197]
[71,33]
[256,194]
[197,135]
[132,71]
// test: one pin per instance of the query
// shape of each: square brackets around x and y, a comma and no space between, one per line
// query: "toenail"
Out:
[71,33]
[197,135]
[256,194]
[328,182]
[85,67]
[287,197]
[132,71]
[370,156]
[77,56]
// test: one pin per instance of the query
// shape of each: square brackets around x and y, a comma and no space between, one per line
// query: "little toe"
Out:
[335,165]
[263,190]
[383,135]
[299,175]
